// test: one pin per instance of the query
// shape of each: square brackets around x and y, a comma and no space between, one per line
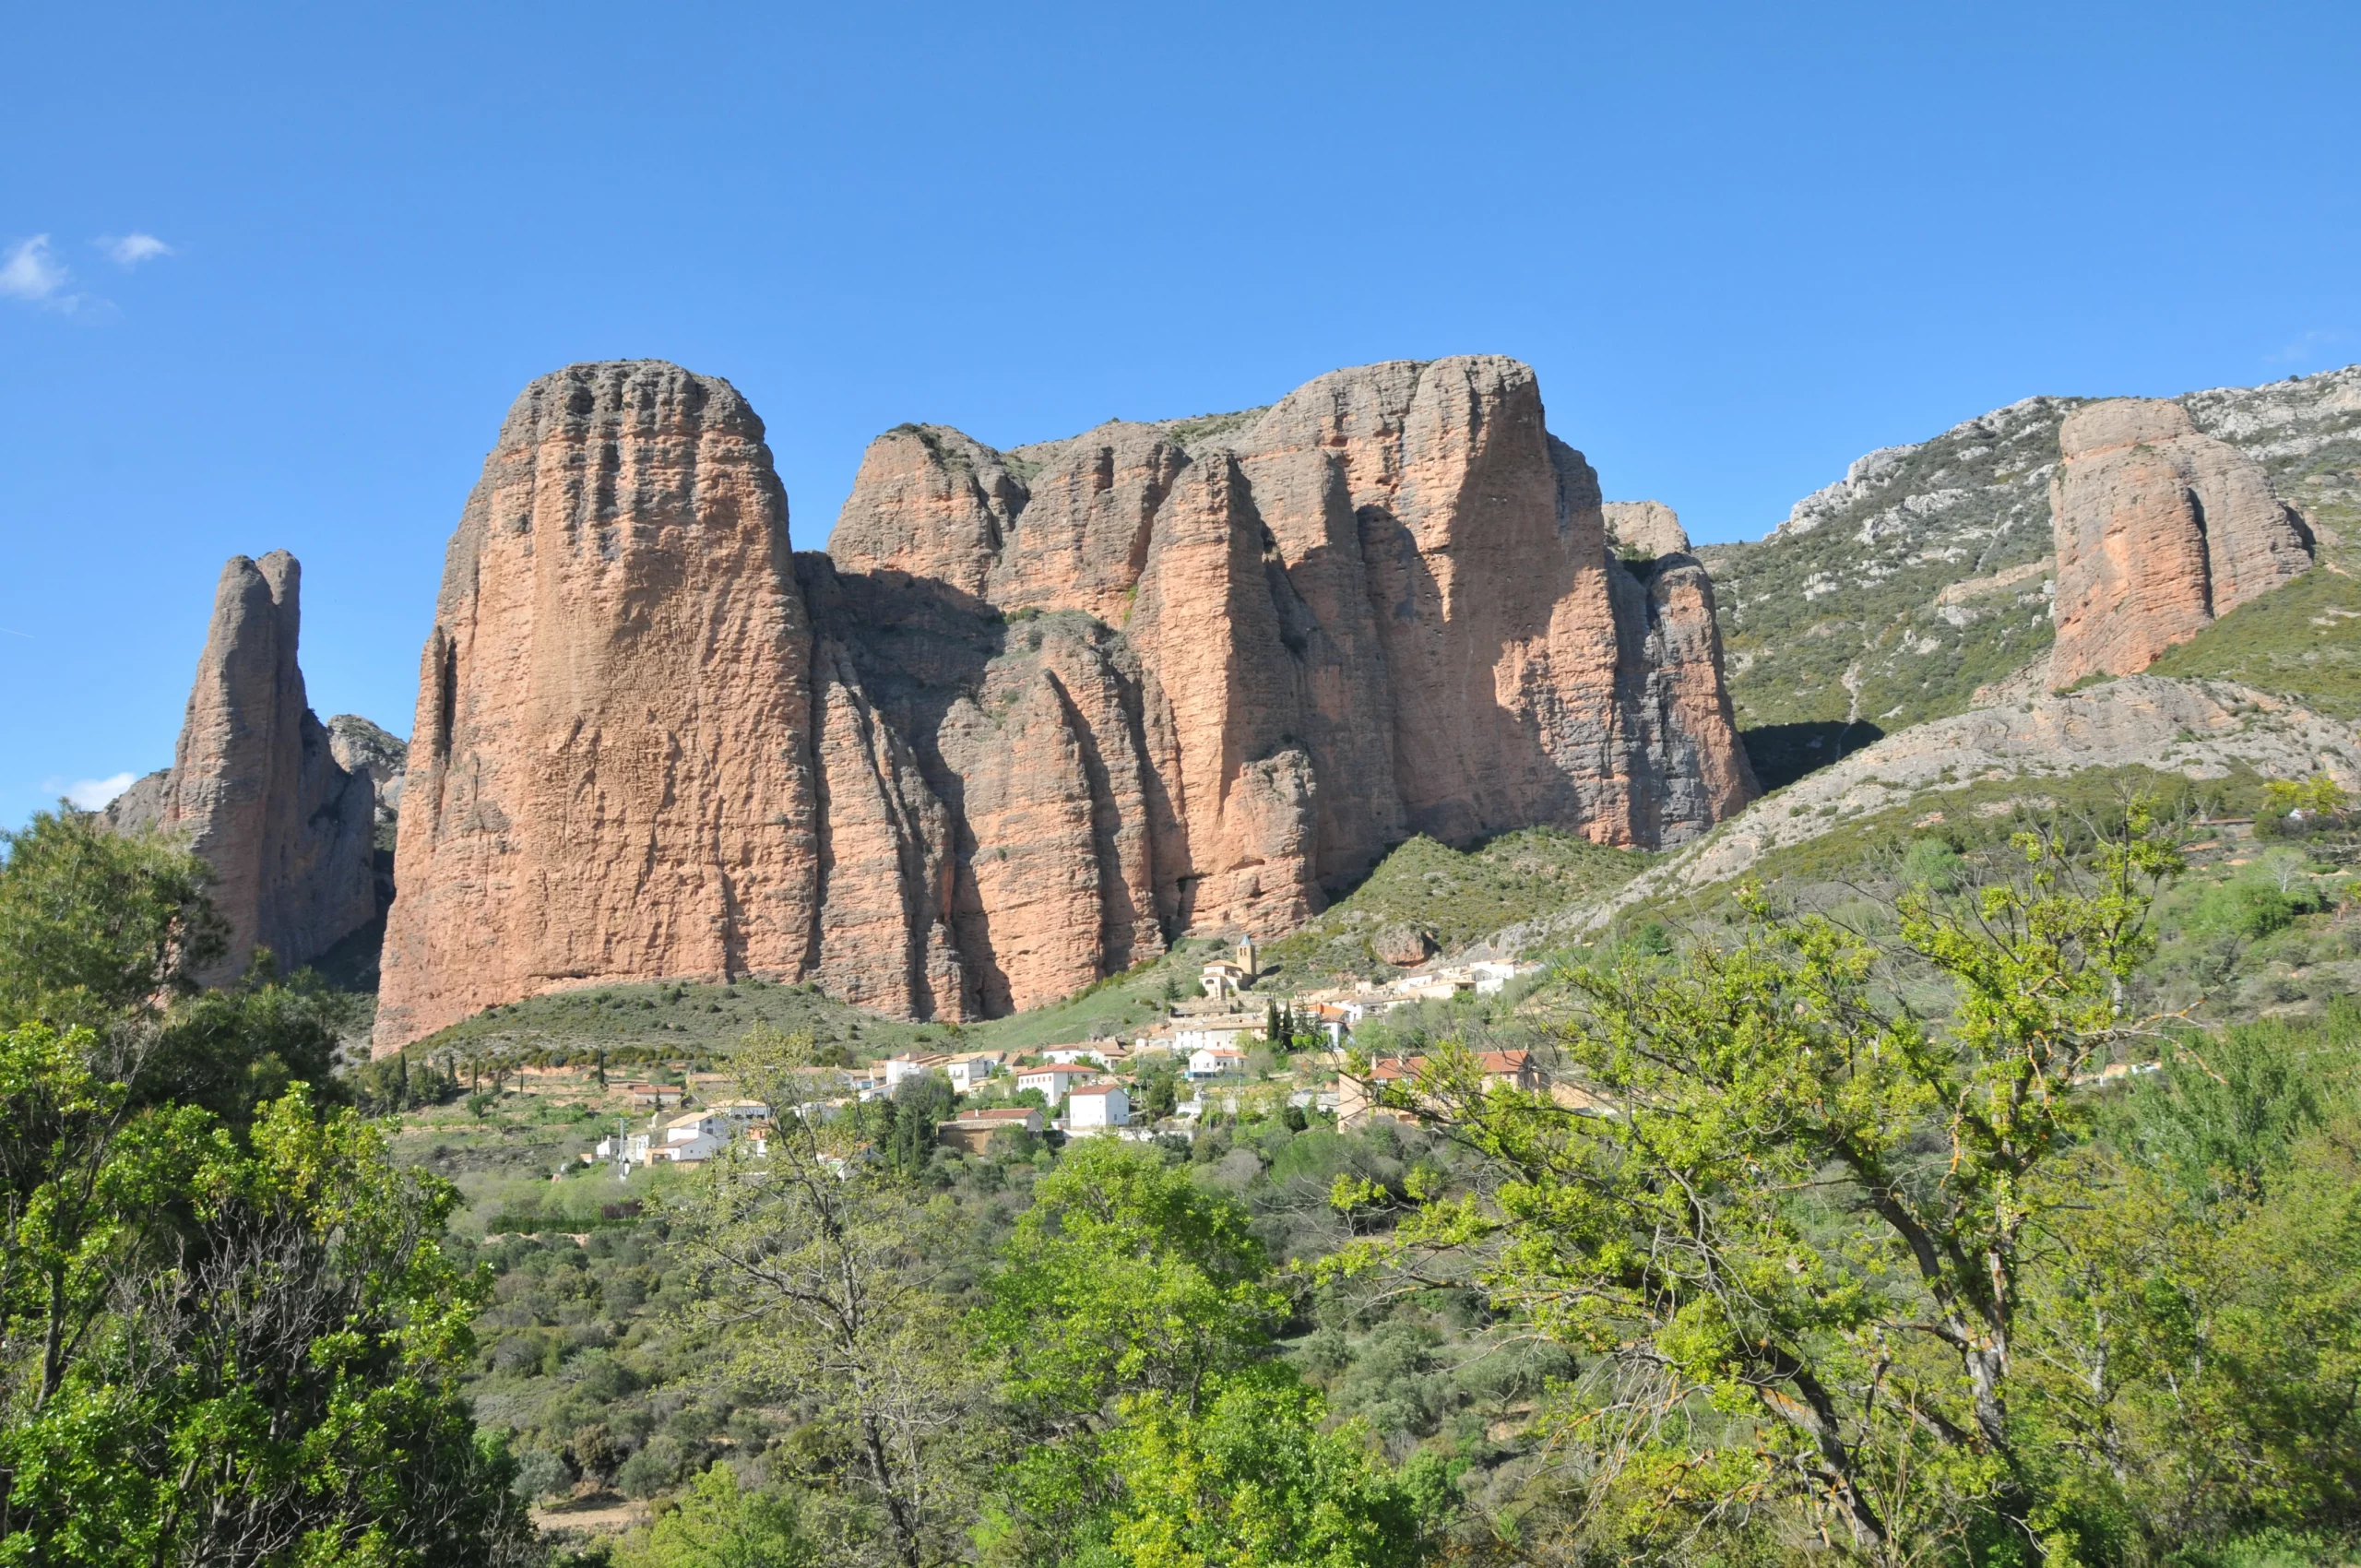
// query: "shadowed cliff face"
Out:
[1381,606]
[255,790]
[1036,712]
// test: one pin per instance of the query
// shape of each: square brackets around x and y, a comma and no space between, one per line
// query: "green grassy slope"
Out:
[2303,641]
[1459,896]
[2205,963]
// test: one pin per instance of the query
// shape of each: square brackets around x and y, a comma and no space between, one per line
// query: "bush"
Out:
[540,1473]
[656,1465]
[1931,864]
[2249,909]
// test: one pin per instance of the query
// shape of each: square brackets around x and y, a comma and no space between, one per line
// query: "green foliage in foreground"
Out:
[1836,1272]
[1107,1394]
[228,1331]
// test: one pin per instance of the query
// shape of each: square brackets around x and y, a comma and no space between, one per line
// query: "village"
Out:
[1229,1049]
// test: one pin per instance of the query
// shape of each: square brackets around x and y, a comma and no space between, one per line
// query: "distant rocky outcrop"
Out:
[1035,712]
[1925,576]
[1644,528]
[361,746]
[255,788]
[2158,531]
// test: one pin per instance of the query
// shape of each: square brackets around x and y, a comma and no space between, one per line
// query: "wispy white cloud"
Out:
[129,250]
[2309,346]
[89,794]
[29,272]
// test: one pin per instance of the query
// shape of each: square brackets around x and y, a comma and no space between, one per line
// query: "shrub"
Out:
[540,1473]
[655,1467]
[1931,864]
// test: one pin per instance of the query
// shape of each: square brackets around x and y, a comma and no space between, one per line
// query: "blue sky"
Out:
[270,277]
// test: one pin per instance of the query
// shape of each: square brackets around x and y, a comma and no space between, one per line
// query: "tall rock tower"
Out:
[2159,529]
[255,790]
[610,778]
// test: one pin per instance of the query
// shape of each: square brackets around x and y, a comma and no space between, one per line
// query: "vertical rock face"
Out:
[1646,528]
[1035,713]
[2158,531]
[255,789]
[611,773]
[1383,605]
[359,746]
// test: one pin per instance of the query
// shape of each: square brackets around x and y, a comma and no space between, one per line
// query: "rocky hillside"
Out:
[2197,729]
[1035,713]
[1889,597]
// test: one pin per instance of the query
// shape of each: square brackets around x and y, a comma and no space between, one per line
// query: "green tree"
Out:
[1795,1247]
[719,1525]
[904,1127]
[228,1351]
[96,928]
[228,1331]
[1249,1479]
[1125,1278]
[822,1271]
[2190,1359]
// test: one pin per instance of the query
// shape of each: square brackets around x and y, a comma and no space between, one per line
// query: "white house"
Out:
[1098,1108]
[1067,1055]
[1192,1035]
[968,1073]
[909,1064]
[1055,1080]
[1492,975]
[1212,1060]
[698,1135]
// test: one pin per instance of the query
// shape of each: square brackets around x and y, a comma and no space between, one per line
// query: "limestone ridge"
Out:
[255,789]
[1034,713]
[1925,574]
[2158,529]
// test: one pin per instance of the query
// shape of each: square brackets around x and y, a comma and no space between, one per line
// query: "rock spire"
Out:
[610,778]
[255,790]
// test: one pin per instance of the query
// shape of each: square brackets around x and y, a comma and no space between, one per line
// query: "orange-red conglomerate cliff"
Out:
[1034,713]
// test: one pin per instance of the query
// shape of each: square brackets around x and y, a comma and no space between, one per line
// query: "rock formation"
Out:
[2197,728]
[612,774]
[255,789]
[1644,528]
[1034,713]
[359,746]
[1383,605]
[2158,531]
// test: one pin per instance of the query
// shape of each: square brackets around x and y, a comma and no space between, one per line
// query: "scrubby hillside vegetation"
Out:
[1888,597]
[1922,1224]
